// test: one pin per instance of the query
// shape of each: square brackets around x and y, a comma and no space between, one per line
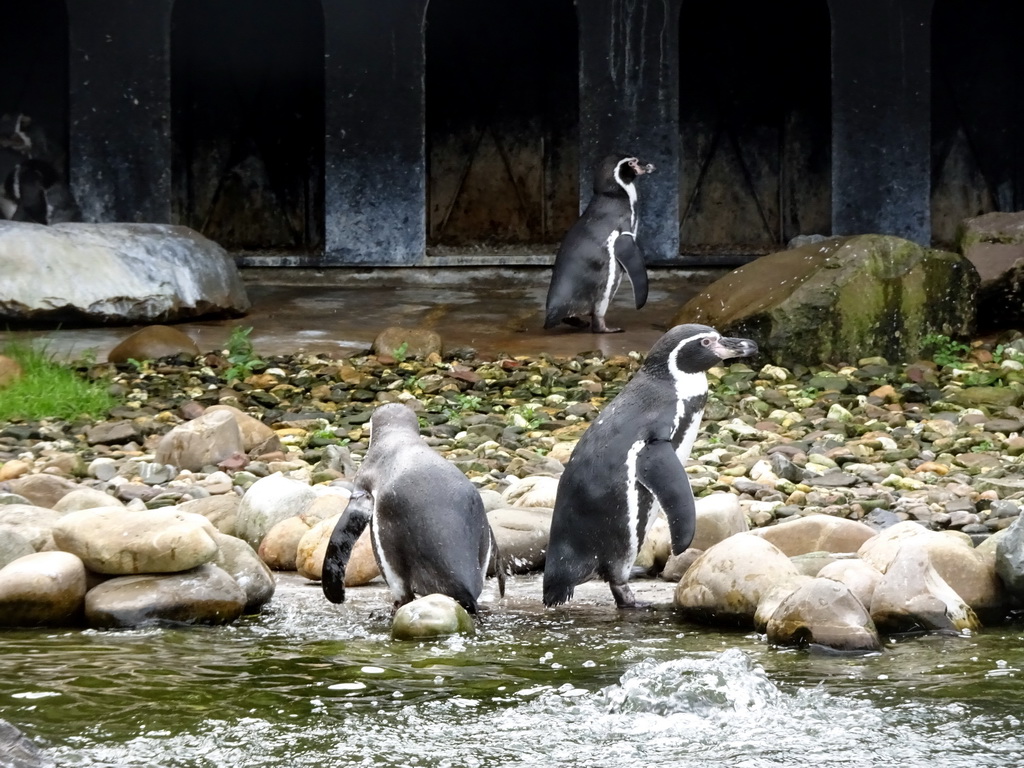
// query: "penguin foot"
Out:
[624,598]
[597,326]
[575,322]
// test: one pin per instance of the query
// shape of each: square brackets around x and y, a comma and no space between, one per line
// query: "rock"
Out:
[533,491]
[84,498]
[279,546]
[810,563]
[221,511]
[400,343]
[14,468]
[817,533]
[34,524]
[121,273]
[312,547]
[152,343]
[256,436]
[859,577]
[122,541]
[522,536]
[13,545]
[679,564]
[1009,559]
[823,612]
[656,548]
[42,589]
[957,563]
[42,490]
[719,516]
[118,432]
[268,501]
[18,751]
[431,616]
[203,595]
[994,244]
[247,569]
[362,565]
[726,583]
[911,595]
[203,442]
[841,300]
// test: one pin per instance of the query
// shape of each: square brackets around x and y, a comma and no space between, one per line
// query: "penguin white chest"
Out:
[691,393]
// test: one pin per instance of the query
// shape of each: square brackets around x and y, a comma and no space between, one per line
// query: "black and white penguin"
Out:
[631,460]
[598,248]
[427,522]
[38,194]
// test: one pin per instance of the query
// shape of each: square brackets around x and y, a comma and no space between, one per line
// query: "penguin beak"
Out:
[727,347]
[640,169]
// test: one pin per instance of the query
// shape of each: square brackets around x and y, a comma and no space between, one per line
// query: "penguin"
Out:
[427,522]
[630,461]
[598,248]
[38,194]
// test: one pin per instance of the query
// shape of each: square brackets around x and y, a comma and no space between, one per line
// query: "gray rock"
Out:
[431,616]
[841,300]
[18,751]
[84,498]
[522,536]
[240,561]
[817,533]
[43,588]
[35,524]
[204,595]
[268,501]
[220,510]
[13,544]
[202,442]
[823,612]
[123,272]
[994,244]
[719,516]
[121,541]
[1009,559]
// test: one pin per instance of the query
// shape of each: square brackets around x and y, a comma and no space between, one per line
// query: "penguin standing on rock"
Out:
[598,248]
[427,522]
[630,461]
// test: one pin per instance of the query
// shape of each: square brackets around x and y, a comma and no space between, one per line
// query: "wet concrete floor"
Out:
[339,312]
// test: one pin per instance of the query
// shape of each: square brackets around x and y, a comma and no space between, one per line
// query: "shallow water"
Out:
[309,683]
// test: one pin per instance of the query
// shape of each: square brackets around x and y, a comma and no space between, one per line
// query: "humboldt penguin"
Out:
[629,462]
[427,522]
[598,248]
[35,192]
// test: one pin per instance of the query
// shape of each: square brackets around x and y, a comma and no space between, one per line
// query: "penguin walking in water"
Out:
[598,248]
[427,522]
[35,192]
[630,461]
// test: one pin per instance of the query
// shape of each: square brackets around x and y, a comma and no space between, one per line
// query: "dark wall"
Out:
[247,84]
[977,112]
[501,121]
[755,130]
[34,63]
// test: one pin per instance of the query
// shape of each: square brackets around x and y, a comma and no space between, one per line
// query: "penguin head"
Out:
[618,171]
[391,418]
[695,348]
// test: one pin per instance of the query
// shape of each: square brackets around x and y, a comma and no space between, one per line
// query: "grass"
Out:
[49,390]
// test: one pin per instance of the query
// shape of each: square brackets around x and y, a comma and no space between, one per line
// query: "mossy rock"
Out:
[431,616]
[841,300]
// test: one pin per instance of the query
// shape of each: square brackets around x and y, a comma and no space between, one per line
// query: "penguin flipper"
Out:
[660,472]
[339,548]
[632,261]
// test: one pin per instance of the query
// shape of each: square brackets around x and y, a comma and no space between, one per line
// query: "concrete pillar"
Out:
[120,109]
[375,186]
[881,117]
[629,102]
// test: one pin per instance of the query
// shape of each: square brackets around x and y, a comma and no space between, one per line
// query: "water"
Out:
[309,683]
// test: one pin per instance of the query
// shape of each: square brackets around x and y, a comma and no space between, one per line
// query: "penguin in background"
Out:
[598,248]
[428,526]
[629,462]
[34,191]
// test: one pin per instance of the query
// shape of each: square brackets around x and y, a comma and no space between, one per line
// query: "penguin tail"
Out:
[497,565]
[339,547]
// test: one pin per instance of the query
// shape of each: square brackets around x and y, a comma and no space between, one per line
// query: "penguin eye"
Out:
[706,341]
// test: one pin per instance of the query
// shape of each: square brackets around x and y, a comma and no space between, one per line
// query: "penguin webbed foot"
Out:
[575,322]
[625,600]
[597,325]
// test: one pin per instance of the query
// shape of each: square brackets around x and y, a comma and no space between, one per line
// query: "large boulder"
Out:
[817,533]
[823,612]
[120,273]
[994,244]
[842,299]
[43,588]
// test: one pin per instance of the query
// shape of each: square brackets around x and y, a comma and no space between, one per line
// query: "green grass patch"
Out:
[48,389]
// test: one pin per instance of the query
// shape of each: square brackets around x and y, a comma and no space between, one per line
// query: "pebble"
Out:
[875,442]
